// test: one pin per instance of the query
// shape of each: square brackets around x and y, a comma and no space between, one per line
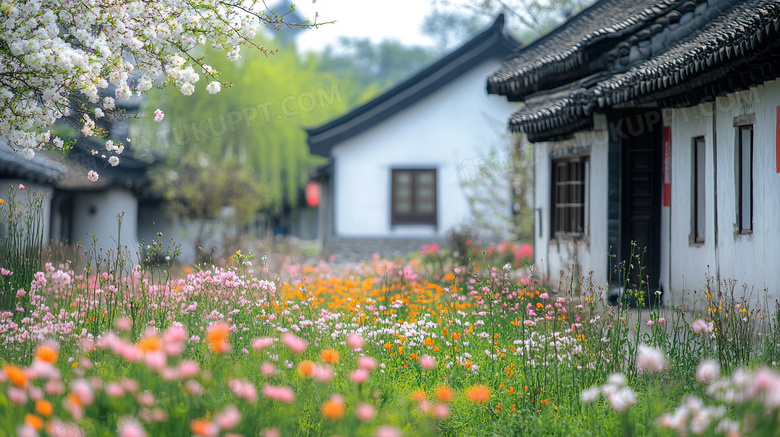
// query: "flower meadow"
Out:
[416,346]
[383,348]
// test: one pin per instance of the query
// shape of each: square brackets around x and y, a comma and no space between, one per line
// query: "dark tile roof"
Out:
[40,169]
[562,50]
[491,43]
[738,48]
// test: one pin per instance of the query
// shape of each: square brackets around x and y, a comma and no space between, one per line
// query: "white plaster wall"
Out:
[96,213]
[21,196]
[690,263]
[590,253]
[752,260]
[456,123]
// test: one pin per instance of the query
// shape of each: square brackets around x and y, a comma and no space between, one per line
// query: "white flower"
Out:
[709,370]
[28,154]
[92,176]
[621,399]
[213,87]
[187,89]
[590,394]
[108,103]
[114,161]
[110,146]
[650,358]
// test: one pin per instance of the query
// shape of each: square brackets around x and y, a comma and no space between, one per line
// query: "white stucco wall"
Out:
[96,213]
[589,253]
[454,124]
[751,260]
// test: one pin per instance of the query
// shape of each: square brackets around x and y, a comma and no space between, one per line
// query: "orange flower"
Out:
[456,335]
[413,356]
[46,354]
[418,395]
[388,346]
[428,342]
[43,407]
[444,393]
[34,421]
[330,356]
[218,337]
[306,368]
[149,344]
[333,408]
[478,394]
[16,376]
[202,427]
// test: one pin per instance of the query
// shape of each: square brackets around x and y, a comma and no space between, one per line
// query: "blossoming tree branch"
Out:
[58,58]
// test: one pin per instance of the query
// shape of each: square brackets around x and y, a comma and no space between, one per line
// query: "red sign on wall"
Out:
[667,170]
[777,141]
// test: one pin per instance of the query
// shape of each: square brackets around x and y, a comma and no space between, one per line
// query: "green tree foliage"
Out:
[528,18]
[254,127]
[374,65]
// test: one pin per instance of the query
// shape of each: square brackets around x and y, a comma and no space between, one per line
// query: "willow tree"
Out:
[257,125]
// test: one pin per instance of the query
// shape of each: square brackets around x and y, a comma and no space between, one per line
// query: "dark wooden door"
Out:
[641,198]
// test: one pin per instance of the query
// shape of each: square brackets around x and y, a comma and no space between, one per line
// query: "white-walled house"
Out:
[398,162]
[658,123]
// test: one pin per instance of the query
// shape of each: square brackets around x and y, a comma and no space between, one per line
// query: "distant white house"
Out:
[398,162]
[657,129]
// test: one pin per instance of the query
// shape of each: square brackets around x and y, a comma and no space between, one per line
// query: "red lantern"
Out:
[312,194]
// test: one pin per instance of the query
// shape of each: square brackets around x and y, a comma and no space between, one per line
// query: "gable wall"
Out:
[443,131]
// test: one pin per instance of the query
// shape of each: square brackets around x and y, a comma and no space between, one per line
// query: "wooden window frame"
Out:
[414,217]
[698,199]
[741,167]
[569,196]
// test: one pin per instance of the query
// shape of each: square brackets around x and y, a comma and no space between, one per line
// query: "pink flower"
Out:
[650,323]
[26,430]
[322,374]
[359,376]
[129,426]
[158,115]
[193,387]
[268,369]
[282,394]
[123,323]
[650,359]
[54,388]
[427,362]
[21,187]
[243,389]
[5,272]
[93,176]
[17,395]
[83,391]
[296,344]
[271,432]
[114,390]
[387,431]
[702,327]
[156,360]
[544,296]
[262,343]
[440,411]
[525,252]
[228,418]
[188,369]
[146,398]
[367,363]
[355,341]
[661,320]
[365,412]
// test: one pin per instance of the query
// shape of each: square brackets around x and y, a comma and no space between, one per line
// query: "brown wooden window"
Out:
[569,196]
[745,179]
[414,197]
